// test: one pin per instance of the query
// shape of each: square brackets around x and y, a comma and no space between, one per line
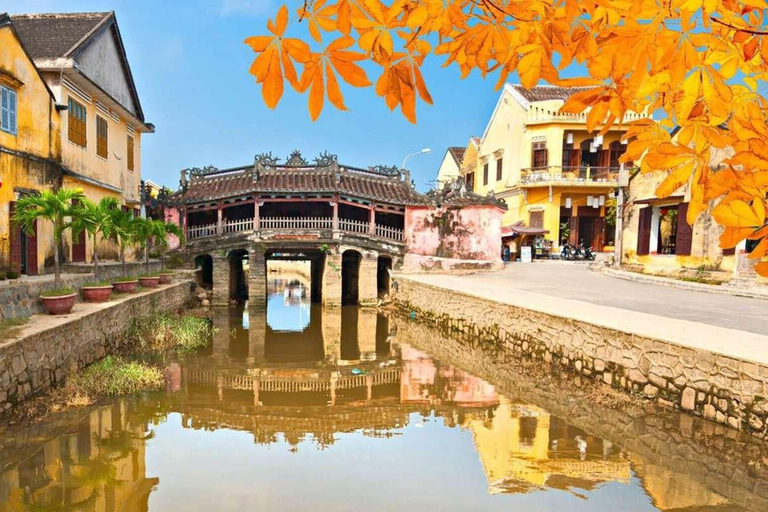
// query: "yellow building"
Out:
[554,175]
[82,58]
[450,166]
[29,151]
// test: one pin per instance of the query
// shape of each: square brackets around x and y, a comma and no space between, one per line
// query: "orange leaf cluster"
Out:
[701,64]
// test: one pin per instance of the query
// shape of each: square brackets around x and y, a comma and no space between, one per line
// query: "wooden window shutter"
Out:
[102,137]
[498,169]
[130,151]
[485,173]
[644,231]
[684,238]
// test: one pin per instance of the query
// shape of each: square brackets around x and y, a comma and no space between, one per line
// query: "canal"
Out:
[306,409]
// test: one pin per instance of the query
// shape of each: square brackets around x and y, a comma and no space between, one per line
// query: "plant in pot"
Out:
[55,207]
[149,280]
[123,227]
[168,228]
[94,218]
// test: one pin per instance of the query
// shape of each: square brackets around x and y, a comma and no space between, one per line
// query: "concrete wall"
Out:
[469,233]
[721,388]
[51,348]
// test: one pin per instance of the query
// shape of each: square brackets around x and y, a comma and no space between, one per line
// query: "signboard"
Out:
[525,254]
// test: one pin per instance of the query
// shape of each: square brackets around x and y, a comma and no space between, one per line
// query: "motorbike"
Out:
[589,255]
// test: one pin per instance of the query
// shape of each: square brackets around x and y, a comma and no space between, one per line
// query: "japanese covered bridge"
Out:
[352,224]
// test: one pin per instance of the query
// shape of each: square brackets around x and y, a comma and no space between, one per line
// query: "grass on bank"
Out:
[161,332]
[111,376]
[10,329]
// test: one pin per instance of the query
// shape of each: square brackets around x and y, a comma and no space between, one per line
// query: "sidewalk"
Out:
[565,280]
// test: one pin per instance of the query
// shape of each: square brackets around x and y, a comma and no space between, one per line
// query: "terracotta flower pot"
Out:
[166,278]
[126,286]
[149,282]
[60,305]
[97,293]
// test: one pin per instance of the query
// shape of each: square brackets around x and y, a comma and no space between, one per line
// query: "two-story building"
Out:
[83,61]
[555,176]
[29,151]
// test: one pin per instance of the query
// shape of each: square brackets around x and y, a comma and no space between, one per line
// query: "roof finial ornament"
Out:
[266,159]
[296,160]
[326,159]
[390,171]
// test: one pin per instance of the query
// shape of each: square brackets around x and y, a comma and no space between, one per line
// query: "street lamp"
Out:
[423,151]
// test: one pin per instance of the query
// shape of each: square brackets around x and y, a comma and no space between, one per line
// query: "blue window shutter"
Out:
[5,114]
[12,112]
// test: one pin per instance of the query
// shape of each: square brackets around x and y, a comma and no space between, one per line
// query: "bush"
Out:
[161,332]
[13,274]
[9,329]
[174,261]
[58,292]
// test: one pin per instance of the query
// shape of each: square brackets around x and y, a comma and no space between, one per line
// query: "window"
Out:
[130,153]
[617,149]
[536,219]
[485,173]
[470,180]
[498,169]
[102,137]
[8,110]
[77,123]
[539,155]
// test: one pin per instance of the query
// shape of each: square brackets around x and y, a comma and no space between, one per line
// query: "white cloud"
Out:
[246,7]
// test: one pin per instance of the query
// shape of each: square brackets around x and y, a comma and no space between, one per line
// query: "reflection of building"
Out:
[520,452]
[98,465]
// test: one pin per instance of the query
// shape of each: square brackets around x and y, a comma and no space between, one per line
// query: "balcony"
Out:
[295,224]
[582,175]
[536,115]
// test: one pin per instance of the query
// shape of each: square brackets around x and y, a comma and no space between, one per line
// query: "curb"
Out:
[723,289]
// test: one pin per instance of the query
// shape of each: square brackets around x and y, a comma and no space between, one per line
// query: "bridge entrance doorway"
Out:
[238,275]
[301,265]
[205,264]
[350,277]
[383,266]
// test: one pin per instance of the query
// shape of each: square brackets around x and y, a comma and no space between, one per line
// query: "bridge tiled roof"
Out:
[332,179]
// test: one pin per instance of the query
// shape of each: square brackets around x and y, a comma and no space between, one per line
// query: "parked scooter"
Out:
[588,254]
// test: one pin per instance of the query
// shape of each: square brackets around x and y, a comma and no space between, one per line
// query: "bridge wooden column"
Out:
[257,280]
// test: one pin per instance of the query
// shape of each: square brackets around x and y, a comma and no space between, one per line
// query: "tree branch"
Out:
[734,27]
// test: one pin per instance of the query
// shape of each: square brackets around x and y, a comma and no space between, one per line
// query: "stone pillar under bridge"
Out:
[366,333]
[331,329]
[257,280]
[368,293]
[220,281]
[332,279]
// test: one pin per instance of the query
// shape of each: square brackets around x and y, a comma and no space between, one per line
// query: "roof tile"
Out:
[52,36]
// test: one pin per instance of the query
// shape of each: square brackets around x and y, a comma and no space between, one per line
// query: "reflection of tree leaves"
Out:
[120,442]
[65,505]
[94,472]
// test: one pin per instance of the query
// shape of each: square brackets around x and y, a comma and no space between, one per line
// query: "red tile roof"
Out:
[457,153]
[282,180]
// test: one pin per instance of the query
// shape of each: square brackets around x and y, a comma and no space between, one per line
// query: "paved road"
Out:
[575,281]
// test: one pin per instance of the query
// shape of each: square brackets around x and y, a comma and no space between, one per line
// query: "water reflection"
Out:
[328,410]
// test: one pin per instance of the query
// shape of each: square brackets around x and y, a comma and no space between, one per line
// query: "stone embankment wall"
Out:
[21,298]
[699,453]
[720,388]
[111,269]
[52,348]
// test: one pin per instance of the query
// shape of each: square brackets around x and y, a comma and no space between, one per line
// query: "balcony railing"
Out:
[571,175]
[542,115]
[295,223]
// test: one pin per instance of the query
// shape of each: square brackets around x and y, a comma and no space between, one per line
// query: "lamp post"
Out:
[421,152]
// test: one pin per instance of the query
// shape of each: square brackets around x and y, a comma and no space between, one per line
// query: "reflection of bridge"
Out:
[349,222]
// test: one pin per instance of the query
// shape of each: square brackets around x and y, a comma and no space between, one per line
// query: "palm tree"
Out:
[123,226]
[94,218]
[146,231]
[54,206]
[169,228]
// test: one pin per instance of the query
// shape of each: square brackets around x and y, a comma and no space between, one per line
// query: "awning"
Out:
[520,229]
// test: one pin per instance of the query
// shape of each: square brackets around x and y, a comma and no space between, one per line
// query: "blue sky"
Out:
[191,70]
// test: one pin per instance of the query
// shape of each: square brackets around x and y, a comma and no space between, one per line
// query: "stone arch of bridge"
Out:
[351,260]
[383,267]
[238,275]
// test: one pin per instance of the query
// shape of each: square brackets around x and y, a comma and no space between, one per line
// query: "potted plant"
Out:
[94,219]
[125,284]
[123,227]
[169,228]
[55,207]
[149,280]
[59,301]
[99,291]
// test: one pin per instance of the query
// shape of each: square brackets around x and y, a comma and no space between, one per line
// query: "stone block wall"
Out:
[700,454]
[21,298]
[45,356]
[112,270]
[720,388]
